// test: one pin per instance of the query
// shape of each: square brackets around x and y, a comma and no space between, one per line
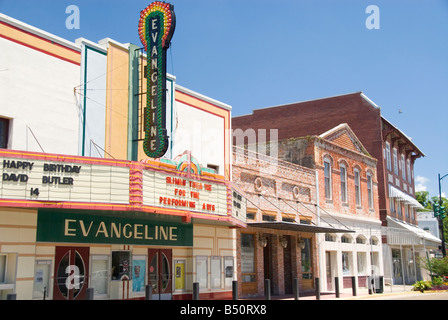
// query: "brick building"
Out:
[280,241]
[347,198]
[396,155]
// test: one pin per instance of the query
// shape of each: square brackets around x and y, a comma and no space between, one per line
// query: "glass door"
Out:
[159,271]
[328,268]
[71,270]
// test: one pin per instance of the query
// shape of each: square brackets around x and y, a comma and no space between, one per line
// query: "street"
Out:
[411,296]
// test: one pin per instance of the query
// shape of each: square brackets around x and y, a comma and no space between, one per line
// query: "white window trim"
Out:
[388,159]
[370,191]
[395,155]
[344,188]
[358,200]
[330,197]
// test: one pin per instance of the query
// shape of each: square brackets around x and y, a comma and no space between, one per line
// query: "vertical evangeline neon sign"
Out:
[156,28]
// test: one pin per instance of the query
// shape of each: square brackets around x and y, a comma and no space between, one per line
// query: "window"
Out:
[392,204]
[357,187]
[362,263]
[138,273]
[214,167]
[228,272]
[42,274]
[343,183]
[179,273]
[99,279]
[248,257]
[327,176]
[202,271]
[406,211]
[346,239]
[251,213]
[121,268]
[305,254]
[395,161]
[403,167]
[2,268]
[4,133]
[215,274]
[388,162]
[268,217]
[360,240]
[346,264]
[409,170]
[397,266]
[399,208]
[370,189]
[288,217]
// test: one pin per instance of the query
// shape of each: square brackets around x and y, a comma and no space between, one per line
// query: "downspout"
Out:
[318,235]
[84,111]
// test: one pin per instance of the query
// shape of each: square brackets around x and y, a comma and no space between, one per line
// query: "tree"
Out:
[426,201]
[423,198]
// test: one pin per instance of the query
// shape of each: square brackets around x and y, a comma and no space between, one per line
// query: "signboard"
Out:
[239,204]
[180,188]
[72,227]
[43,180]
[156,27]
[166,190]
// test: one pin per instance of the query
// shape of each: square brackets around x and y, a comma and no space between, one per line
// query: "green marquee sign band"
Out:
[56,226]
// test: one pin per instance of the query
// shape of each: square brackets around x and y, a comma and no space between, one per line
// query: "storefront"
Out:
[406,246]
[280,243]
[71,223]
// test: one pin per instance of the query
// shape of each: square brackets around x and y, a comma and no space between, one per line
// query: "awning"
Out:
[402,233]
[400,195]
[290,226]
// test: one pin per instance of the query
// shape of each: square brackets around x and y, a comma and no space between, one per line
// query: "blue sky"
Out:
[253,54]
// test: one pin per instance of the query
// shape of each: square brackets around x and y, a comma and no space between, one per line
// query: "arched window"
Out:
[343,170]
[357,186]
[346,239]
[330,237]
[360,239]
[327,177]
[370,189]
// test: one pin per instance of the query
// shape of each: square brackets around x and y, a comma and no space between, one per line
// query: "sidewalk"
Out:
[362,293]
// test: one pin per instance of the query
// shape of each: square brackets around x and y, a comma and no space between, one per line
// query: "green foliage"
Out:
[422,285]
[427,202]
[436,283]
[423,198]
[439,266]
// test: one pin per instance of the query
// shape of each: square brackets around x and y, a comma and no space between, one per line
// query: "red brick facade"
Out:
[317,116]
[272,188]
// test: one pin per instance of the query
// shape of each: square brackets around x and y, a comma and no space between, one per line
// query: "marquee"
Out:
[182,188]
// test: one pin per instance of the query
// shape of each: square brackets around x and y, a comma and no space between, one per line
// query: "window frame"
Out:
[357,184]
[370,189]
[327,179]
[388,157]
[408,165]
[5,127]
[343,177]
[403,167]
[395,156]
